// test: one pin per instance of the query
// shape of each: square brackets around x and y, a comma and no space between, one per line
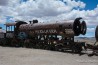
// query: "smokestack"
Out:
[35,21]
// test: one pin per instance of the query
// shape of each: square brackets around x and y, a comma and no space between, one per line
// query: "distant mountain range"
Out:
[84,37]
[90,40]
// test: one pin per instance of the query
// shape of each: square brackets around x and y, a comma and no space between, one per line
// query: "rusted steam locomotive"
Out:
[57,35]
[95,46]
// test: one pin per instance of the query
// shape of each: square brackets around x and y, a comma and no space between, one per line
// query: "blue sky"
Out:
[90,4]
[50,10]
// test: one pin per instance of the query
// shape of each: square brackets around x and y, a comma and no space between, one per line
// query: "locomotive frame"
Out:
[45,35]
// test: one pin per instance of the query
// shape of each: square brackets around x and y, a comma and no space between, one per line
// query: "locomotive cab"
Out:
[10,27]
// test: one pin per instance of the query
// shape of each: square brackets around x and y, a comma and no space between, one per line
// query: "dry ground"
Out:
[25,56]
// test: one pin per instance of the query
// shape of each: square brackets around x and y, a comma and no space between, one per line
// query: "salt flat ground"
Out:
[25,56]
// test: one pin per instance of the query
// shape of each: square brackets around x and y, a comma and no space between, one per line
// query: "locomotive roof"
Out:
[10,24]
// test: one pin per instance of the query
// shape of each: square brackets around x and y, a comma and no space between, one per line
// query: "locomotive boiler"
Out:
[71,27]
[57,35]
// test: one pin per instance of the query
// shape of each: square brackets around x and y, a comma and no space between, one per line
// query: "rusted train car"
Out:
[94,46]
[57,35]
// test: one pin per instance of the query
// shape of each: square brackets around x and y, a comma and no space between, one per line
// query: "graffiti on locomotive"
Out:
[46,31]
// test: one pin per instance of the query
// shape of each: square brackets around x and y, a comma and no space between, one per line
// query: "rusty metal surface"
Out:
[50,25]
[78,26]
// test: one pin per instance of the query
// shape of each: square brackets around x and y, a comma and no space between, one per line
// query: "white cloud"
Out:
[90,29]
[39,9]
[3,2]
[47,10]
[2,19]
[73,3]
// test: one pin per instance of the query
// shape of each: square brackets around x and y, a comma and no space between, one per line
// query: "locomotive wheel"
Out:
[3,42]
[20,43]
[14,43]
[48,46]
[40,44]
[77,48]
[58,47]
[52,47]
[45,45]
[30,45]
[0,42]
[33,45]
[26,43]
